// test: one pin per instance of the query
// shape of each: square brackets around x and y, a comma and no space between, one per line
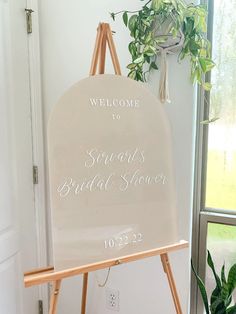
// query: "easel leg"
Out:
[168,271]
[96,52]
[54,297]
[103,50]
[84,293]
[113,52]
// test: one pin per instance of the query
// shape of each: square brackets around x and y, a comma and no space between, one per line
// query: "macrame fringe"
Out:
[164,84]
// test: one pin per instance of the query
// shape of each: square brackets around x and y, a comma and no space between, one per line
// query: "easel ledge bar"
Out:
[36,278]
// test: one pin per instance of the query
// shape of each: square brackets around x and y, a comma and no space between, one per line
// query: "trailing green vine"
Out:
[145,24]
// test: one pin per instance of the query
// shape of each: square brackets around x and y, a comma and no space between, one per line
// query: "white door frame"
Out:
[38,145]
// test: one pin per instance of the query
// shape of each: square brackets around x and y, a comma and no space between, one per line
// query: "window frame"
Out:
[201,214]
[200,169]
[205,218]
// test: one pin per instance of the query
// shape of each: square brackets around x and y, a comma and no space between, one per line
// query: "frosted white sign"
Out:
[110,165]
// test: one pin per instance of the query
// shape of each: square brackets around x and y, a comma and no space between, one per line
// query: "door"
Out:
[18,232]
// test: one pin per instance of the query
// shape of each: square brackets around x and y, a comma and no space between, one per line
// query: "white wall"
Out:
[68,30]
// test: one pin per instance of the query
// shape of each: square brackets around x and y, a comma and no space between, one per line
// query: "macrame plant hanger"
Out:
[164,50]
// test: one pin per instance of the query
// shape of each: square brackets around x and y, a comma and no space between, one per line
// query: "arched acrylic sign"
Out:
[110,166]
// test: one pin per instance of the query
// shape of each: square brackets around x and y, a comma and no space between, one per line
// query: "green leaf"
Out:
[203,64]
[139,59]
[132,49]
[131,66]
[207,86]
[147,59]
[204,122]
[194,47]
[156,4]
[225,292]
[223,278]
[146,23]
[231,310]
[132,74]
[139,76]
[136,33]
[202,289]
[216,292]
[189,25]
[214,119]
[202,25]
[218,306]
[220,309]
[174,32]
[153,66]
[150,53]
[210,120]
[125,18]
[231,281]
[206,64]
[148,37]
[228,301]
[196,74]
[181,55]
[212,266]
[132,22]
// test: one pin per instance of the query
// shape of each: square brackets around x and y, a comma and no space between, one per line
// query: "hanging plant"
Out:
[165,26]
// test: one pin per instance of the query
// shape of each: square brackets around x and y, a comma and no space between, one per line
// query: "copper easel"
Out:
[46,275]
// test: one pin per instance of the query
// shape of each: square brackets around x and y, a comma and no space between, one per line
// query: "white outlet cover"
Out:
[113,299]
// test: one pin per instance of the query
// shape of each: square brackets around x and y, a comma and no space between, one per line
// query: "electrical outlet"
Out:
[113,300]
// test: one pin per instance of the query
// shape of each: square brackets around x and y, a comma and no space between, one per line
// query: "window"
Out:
[214,225]
[221,159]
[221,242]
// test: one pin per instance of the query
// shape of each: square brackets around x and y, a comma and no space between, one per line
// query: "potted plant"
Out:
[168,26]
[220,301]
